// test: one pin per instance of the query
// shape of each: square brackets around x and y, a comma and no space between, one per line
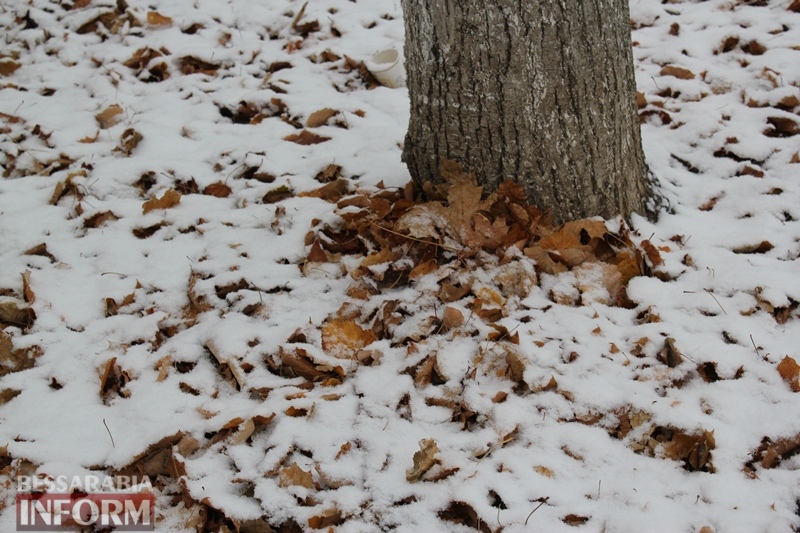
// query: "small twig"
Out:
[448,248]
[715,299]
[115,273]
[537,508]
[109,434]
[754,345]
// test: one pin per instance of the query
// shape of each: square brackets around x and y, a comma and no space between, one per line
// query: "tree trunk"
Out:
[539,92]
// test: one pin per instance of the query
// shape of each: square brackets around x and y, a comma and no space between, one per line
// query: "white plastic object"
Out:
[388,68]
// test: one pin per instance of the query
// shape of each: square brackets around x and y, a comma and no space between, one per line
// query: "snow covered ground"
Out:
[160,298]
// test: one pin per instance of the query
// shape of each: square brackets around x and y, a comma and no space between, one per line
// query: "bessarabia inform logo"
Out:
[60,503]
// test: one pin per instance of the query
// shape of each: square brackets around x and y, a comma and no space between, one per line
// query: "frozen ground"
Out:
[207,332]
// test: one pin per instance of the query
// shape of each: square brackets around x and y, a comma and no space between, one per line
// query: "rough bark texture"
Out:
[541,92]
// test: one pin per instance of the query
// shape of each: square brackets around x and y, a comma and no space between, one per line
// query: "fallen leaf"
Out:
[218,190]
[109,116]
[329,518]
[760,248]
[128,141]
[294,476]
[343,338]
[276,195]
[14,315]
[319,118]
[677,72]
[452,318]
[424,460]
[6,395]
[329,173]
[7,68]
[459,512]
[306,137]
[98,219]
[27,292]
[331,192]
[170,198]
[670,355]
[790,372]
[155,18]
[575,520]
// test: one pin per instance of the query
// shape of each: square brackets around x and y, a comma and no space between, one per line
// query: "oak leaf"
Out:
[294,476]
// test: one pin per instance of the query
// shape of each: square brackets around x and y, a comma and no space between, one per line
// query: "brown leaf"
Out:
[170,198]
[429,267]
[332,192]
[424,460]
[109,116]
[276,195]
[343,338]
[27,292]
[575,520]
[693,450]
[299,363]
[459,512]
[452,318]
[7,68]
[329,173]
[652,253]
[14,315]
[16,360]
[155,18]
[501,333]
[294,476]
[305,138]
[677,72]
[217,189]
[194,65]
[760,248]
[98,219]
[128,141]
[157,460]
[6,395]
[317,254]
[670,355]
[782,127]
[790,372]
[319,118]
[41,250]
[329,518]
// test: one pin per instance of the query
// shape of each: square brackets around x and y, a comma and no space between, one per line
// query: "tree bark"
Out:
[541,92]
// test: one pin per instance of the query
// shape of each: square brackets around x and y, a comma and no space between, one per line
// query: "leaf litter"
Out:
[216,253]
